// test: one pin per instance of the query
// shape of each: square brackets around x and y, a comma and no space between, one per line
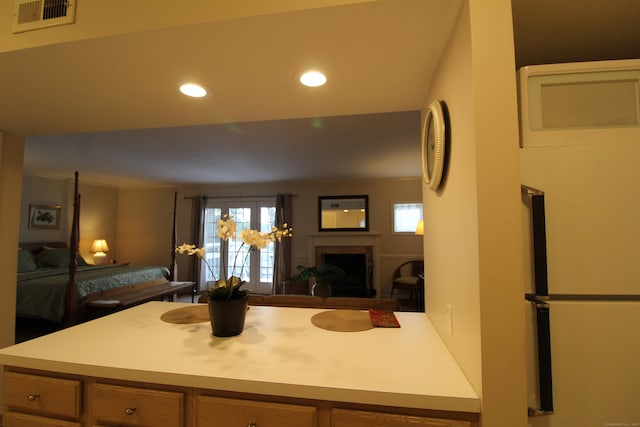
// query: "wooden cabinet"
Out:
[39,400]
[223,412]
[354,418]
[133,406]
[17,419]
[49,399]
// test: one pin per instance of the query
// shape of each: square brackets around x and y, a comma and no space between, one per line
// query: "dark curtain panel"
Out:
[173,269]
[282,262]
[198,204]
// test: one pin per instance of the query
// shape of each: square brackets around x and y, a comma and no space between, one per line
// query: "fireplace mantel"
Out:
[344,234]
[345,239]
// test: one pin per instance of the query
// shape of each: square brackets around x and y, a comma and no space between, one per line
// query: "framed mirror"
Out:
[343,213]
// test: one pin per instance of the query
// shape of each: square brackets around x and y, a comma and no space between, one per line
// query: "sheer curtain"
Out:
[282,259]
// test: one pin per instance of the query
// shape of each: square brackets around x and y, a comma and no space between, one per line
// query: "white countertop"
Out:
[280,352]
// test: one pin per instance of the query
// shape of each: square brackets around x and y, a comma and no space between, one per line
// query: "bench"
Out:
[116,299]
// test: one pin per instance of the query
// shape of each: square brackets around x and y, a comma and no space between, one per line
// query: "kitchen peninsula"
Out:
[130,367]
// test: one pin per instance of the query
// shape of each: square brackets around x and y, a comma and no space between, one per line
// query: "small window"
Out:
[406,217]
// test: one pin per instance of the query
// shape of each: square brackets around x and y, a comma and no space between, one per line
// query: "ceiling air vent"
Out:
[34,14]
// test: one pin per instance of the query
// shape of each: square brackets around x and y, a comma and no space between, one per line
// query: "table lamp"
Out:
[99,248]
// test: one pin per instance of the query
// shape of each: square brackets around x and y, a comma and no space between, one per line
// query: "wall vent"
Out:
[34,14]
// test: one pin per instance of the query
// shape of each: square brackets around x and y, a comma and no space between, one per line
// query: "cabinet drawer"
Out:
[41,394]
[14,419]
[224,412]
[136,406]
[353,418]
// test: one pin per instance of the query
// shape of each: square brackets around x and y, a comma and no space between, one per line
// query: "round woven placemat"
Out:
[343,320]
[195,313]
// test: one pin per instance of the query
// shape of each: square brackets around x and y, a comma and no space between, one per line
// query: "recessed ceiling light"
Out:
[193,90]
[313,78]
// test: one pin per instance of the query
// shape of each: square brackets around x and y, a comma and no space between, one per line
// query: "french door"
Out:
[253,266]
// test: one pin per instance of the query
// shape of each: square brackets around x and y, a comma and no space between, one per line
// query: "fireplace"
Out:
[357,262]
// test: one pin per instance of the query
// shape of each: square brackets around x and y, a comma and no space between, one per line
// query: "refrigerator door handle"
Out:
[539,236]
[545,383]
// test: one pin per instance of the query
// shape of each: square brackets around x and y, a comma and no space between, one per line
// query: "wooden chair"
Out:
[409,277]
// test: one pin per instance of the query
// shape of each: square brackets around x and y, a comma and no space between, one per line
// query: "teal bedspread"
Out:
[41,292]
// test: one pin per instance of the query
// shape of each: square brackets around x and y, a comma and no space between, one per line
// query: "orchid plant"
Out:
[228,288]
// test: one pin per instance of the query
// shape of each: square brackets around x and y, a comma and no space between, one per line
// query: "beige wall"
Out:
[37,190]
[145,219]
[499,214]
[451,251]
[98,218]
[98,212]
[472,255]
[11,160]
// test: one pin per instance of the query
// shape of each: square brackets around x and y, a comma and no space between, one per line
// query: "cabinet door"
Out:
[351,418]
[15,419]
[223,412]
[131,406]
[43,395]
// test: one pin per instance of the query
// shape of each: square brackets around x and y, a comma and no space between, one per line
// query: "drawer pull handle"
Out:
[253,424]
[130,411]
[33,397]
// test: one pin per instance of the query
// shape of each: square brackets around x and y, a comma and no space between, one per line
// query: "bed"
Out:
[54,281]
[43,276]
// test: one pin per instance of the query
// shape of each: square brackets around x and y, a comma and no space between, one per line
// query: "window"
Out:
[254,267]
[406,217]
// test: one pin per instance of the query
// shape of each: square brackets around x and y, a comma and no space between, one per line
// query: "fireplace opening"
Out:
[353,284]
[357,264]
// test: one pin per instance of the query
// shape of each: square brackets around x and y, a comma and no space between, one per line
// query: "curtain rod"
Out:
[238,197]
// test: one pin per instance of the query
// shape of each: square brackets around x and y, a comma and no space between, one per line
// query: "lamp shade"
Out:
[420,228]
[99,248]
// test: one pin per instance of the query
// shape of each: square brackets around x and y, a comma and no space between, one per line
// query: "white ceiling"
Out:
[109,107]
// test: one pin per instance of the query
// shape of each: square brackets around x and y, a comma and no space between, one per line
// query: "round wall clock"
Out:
[433,145]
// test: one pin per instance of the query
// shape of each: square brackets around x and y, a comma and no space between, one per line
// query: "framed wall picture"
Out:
[44,216]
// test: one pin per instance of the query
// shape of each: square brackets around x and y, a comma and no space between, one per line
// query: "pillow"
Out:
[53,257]
[56,258]
[26,261]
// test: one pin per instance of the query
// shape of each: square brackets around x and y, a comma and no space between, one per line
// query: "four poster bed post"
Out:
[75,312]
[173,269]
[71,293]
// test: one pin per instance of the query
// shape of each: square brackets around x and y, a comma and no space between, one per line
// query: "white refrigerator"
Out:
[581,213]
